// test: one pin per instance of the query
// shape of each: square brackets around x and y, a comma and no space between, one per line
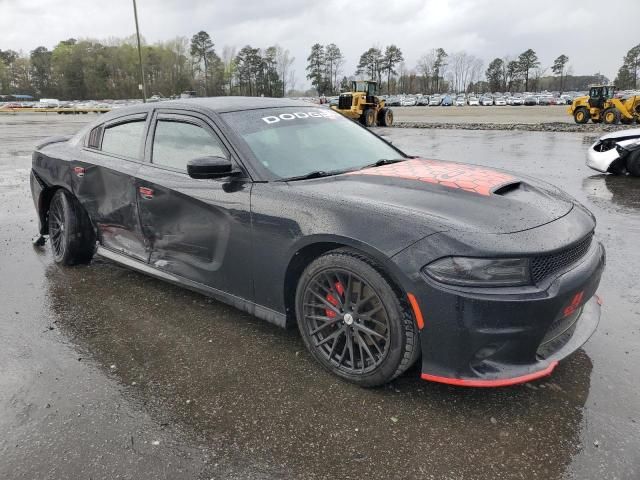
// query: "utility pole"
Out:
[144,87]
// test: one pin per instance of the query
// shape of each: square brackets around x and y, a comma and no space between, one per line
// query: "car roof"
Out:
[216,104]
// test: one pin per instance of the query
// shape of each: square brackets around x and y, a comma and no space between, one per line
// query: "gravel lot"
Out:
[106,373]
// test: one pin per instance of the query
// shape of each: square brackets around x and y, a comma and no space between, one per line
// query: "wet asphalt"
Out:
[106,373]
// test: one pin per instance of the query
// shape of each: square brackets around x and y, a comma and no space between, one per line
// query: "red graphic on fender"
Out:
[454,175]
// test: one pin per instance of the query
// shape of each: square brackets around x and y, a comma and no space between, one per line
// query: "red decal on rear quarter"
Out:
[453,175]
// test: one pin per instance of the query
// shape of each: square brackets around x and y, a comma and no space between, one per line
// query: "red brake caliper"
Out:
[333,301]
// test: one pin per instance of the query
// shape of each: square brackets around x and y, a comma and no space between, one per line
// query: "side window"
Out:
[93,140]
[124,139]
[175,143]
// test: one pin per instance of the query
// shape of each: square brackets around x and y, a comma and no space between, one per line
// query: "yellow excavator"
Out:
[362,104]
[601,105]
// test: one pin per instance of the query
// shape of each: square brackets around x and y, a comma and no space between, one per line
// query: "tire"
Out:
[385,117]
[611,116]
[581,115]
[70,231]
[368,349]
[368,118]
[633,163]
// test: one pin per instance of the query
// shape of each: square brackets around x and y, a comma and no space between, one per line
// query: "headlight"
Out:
[481,272]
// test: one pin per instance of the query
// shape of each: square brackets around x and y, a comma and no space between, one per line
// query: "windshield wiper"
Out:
[314,174]
[383,161]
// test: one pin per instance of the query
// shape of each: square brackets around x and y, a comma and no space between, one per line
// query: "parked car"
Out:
[473,102]
[616,152]
[530,100]
[296,214]
[392,102]
[545,100]
[460,102]
[500,101]
[435,100]
[447,101]
[517,100]
[423,100]
[486,101]
[408,102]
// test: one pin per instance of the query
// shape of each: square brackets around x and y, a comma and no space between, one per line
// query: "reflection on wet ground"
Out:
[124,361]
[246,386]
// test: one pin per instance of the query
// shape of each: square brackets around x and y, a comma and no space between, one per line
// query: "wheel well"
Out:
[308,254]
[297,264]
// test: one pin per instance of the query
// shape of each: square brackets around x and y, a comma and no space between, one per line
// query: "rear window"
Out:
[124,139]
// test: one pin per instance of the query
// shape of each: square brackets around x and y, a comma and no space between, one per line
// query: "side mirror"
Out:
[210,167]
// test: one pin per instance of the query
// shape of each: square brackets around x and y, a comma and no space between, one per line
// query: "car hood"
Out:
[448,195]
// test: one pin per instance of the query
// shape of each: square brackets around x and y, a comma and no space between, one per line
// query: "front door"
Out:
[199,229]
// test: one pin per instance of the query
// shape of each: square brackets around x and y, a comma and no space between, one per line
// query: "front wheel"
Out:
[581,115]
[385,117]
[352,321]
[70,230]
[368,118]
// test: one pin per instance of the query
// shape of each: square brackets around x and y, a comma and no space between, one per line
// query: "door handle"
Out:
[146,193]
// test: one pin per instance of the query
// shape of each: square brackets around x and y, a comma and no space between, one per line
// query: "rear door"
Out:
[197,228]
[105,184]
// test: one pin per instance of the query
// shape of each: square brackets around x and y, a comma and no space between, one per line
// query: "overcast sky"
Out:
[588,31]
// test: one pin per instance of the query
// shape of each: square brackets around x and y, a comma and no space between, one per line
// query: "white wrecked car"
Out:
[617,153]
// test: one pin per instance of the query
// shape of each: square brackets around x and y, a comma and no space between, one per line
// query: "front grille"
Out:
[344,101]
[543,266]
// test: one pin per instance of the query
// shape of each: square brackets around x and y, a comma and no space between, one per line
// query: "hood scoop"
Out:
[507,188]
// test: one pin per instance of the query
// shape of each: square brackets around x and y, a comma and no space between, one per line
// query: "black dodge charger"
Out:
[296,214]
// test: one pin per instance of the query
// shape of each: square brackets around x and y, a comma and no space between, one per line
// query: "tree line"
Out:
[90,69]
[438,72]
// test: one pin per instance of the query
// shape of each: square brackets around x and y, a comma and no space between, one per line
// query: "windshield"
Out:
[295,141]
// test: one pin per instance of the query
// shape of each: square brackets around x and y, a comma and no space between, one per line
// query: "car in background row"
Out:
[486,101]
[460,102]
[499,101]
[474,102]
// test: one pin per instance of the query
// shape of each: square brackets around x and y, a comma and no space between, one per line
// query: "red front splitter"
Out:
[500,382]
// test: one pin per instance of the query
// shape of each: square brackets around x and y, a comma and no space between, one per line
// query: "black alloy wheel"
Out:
[352,321]
[70,231]
[347,321]
[57,231]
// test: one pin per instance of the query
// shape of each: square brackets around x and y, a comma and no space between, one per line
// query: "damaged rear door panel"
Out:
[105,184]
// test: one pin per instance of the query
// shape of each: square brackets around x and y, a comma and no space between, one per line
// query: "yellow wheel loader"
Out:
[362,104]
[601,105]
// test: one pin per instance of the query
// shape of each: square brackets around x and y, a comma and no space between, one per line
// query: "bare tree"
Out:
[283,63]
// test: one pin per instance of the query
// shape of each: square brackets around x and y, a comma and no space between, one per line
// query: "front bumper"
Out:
[601,161]
[495,339]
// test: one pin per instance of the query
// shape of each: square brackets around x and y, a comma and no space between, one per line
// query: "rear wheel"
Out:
[633,163]
[611,116]
[385,117]
[368,118]
[581,115]
[352,321]
[70,230]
